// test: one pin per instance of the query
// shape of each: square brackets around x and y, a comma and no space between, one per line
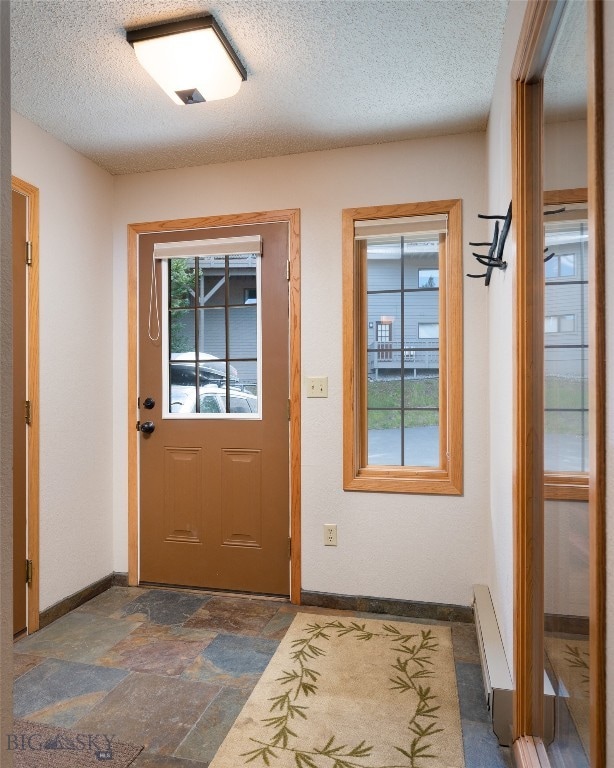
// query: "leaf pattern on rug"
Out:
[413,665]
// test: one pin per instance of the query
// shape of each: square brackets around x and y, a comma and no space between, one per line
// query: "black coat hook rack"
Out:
[494,257]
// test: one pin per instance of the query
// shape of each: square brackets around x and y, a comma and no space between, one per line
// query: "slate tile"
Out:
[150,710]
[233,660]
[22,662]
[234,615]
[61,692]
[160,652]
[465,643]
[163,606]
[481,747]
[471,693]
[76,637]
[111,601]
[206,736]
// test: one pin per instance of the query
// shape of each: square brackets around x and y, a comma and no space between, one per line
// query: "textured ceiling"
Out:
[324,74]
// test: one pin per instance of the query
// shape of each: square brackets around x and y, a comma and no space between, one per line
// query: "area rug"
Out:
[570,661]
[352,693]
[45,746]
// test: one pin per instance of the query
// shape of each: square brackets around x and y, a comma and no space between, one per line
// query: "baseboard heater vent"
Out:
[498,683]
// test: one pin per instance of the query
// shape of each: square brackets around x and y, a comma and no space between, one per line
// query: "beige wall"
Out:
[402,546]
[76,363]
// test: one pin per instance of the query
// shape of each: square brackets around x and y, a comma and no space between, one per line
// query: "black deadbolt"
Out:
[149,403]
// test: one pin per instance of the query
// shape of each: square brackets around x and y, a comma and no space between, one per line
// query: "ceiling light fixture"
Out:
[191,59]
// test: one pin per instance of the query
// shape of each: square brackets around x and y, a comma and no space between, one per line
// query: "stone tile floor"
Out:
[172,669]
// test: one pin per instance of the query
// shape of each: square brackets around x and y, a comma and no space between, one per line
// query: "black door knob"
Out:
[149,403]
[148,427]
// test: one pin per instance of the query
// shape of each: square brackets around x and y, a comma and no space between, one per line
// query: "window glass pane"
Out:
[428,330]
[182,391]
[565,443]
[384,264]
[421,438]
[182,334]
[420,263]
[211,404]
[551,268]
[243,331]
[567,265]
[428,278]
[551,324]
[421,391]
[212,332]
[384,437]
[244,375]
[242,271]
[182,288]
[211,282]
[384,393]
[383,335]
[567,323]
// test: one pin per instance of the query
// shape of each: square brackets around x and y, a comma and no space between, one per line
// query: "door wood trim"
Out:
[292,218]
[32,195]
[539,28]
[597,387]
[528,412]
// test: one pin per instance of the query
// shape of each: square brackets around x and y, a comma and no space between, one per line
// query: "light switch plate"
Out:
[317,386]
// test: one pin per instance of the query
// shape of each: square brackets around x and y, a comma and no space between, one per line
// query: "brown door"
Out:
[19,424]
[213,381]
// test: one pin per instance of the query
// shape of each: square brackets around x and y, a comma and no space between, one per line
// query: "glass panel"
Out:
[383,335]
[421,263]
[212,333]
[182,334]
[182,391]
[384,264]
[242,289]
[421,391]
[428,278]
[565,441]
[384,393]
[384,437]
[243,331]
[211,281]
[566,530]
[421,438]
[182,288]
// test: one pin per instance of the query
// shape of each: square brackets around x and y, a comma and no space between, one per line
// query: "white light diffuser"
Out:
[186,61]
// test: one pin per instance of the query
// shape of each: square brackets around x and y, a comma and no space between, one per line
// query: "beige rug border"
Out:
[442,633]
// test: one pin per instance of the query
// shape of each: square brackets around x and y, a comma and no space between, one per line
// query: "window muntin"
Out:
[211,336]
[403,348]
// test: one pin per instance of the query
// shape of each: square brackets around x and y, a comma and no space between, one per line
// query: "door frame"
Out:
[536,39]
[31,193]
[290,216]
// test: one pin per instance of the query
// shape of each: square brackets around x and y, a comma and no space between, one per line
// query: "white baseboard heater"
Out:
[498,684]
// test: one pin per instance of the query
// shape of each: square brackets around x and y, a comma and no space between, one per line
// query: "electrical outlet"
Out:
[330,535]
[317,386]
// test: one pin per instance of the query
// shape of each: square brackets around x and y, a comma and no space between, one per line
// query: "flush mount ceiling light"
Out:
[190,59]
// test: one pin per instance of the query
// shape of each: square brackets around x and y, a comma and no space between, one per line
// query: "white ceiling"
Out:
[321,74]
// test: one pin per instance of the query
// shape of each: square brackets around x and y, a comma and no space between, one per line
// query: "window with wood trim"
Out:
[566,330]
[403,342]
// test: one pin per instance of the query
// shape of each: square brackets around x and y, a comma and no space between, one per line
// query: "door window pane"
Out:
[213,327]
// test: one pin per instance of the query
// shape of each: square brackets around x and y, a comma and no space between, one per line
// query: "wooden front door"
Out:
[20,227]
[213,384]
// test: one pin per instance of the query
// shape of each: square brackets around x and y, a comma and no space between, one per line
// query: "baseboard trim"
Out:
[409,608]
[67,604]
[569,625]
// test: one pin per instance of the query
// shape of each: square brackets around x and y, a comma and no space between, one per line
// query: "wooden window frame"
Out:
[447,479]
[566,486]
